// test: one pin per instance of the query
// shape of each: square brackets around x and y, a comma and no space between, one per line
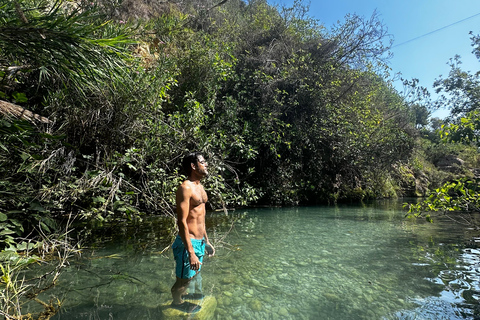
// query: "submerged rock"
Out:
[208,305]
[256,305]
[283,312]
[228,279]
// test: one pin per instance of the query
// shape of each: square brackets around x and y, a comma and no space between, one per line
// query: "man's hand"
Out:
[194,262]
[209,249]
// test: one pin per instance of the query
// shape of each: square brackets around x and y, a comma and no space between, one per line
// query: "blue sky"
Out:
[425,58]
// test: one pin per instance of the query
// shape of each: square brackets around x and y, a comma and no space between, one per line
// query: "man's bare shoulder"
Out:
[186,186]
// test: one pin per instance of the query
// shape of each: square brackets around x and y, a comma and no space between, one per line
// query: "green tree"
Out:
[307,102]
[461,91]
[460,88]
[53,58]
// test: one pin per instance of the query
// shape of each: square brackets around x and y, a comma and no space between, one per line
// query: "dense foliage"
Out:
[458,197]
[286,111]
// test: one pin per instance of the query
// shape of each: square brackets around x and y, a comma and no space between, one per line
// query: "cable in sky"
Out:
[431,32]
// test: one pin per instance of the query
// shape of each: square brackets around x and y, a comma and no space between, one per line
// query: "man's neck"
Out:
[193,179]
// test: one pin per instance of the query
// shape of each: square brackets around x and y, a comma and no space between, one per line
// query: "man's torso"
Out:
[196,214]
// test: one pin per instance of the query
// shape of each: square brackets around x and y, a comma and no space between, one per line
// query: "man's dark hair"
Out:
[188,160]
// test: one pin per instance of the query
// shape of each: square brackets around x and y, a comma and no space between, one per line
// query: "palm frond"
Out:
[56,43]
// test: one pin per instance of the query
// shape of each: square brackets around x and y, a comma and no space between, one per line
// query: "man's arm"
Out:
[209,248]
[184,195]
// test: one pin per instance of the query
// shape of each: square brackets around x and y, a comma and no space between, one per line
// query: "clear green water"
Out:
[345,262]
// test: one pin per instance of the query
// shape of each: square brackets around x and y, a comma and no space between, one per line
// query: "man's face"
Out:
[202,166]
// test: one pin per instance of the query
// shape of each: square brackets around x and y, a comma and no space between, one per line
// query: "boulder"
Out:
[449,163]
[208,305]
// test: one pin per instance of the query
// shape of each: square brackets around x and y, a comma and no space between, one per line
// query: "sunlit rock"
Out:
[255,282]
[208,305]
[450,163]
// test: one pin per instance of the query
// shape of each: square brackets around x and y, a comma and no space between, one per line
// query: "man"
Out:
[191,242]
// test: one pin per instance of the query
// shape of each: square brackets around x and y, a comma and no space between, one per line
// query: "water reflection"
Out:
[345,262]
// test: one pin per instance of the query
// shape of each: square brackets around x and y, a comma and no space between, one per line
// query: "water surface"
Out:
[343,262]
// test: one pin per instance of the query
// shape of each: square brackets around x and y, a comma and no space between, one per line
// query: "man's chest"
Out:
[199,196]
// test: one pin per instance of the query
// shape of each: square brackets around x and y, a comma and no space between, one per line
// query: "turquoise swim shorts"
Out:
[182,268]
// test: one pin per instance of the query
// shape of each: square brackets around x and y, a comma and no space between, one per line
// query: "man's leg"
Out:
[194,288]
[195,285]
[178,290]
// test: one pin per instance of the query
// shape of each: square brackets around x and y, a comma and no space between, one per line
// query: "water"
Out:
[345,262]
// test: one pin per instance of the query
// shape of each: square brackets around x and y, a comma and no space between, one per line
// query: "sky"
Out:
[426,33]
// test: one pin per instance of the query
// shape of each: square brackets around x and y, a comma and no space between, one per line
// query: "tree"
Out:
[421,115]
[312,105]
[461,95]
[457,199]
[461,89]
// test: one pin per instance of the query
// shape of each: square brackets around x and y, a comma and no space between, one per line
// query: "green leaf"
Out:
[3,217]
[35,206]
[99,200]
[20,97]
[24,246]
[6,231]
[24,156]
[15,211]
[3,147]
[45,227]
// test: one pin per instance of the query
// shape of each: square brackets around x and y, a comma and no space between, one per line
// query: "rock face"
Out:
[208,305]
[450,163]
[476,173]
[421,184]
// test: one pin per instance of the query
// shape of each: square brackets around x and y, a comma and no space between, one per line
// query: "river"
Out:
[326,262]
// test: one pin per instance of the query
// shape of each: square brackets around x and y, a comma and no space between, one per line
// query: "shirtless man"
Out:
[191,242]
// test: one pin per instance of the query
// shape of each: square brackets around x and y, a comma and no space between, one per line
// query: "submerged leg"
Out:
[179,289]
[195,288]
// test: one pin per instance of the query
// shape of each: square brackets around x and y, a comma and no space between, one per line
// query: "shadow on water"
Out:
[148,234]
[345,262]
[127,312]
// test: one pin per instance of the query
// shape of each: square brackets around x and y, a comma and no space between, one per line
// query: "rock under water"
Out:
[208,305]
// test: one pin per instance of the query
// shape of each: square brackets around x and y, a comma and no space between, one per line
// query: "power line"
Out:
[431,32]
